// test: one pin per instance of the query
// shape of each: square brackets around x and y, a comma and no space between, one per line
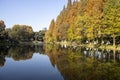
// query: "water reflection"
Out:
[85,63]
[2,60]
[3,53]
[27,62]
[21,52]
[51,62]
[102,55]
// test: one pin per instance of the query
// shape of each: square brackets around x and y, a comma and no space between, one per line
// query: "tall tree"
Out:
[69,5]
[112,19]
[88,19]
[50,33]
[51,28]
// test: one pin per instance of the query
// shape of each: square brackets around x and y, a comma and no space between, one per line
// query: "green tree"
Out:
[112,19]
[21,33]
[39,36]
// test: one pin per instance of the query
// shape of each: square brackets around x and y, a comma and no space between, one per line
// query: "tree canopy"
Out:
[87,20]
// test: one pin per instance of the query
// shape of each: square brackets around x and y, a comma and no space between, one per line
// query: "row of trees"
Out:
[19,33]
[87,20]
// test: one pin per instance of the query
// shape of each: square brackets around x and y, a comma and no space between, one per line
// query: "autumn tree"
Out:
[21,33]
[50,33]
[112,19]
[2,30]
[87,20]
[51,28]
[69,5]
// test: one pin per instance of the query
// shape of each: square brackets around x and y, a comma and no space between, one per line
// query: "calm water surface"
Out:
[58,63]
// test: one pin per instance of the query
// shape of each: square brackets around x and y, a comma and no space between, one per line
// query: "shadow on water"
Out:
[72,64]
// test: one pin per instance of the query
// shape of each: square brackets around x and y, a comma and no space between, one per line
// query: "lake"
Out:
[48,62]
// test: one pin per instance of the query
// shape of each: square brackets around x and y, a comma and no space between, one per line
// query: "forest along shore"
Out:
[89,23]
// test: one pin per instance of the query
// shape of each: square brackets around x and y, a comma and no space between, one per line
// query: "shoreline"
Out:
[72,45]
[99,46]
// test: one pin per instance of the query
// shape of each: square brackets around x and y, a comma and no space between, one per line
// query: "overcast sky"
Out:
[36,13]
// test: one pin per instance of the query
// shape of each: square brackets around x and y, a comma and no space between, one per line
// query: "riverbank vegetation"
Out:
[93,23]
[88,22]
[19,34]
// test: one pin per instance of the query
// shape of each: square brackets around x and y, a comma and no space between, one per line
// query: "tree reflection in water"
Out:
[3,53]
[73,64]
[21,52]
[85,63]
[2,60]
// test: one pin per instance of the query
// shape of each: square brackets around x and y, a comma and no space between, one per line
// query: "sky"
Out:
[35,13]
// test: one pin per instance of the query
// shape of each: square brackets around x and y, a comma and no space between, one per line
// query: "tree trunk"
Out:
[114,46]
[114,40]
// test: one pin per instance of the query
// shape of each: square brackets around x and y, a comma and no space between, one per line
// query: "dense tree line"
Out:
[19,33]
[87,21]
